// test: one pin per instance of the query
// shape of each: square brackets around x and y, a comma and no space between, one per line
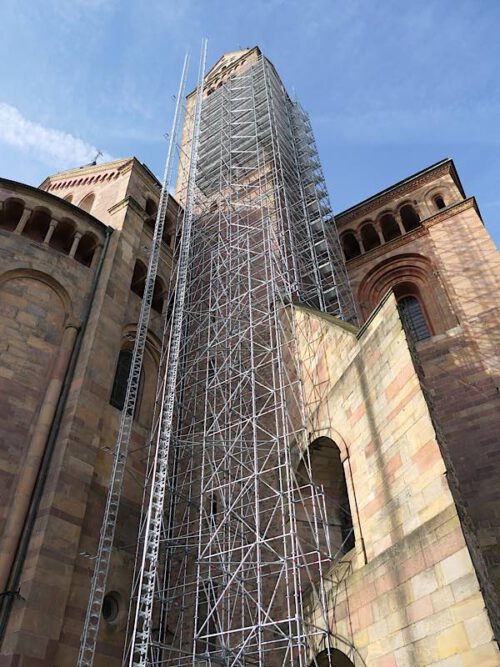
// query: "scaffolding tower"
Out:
[234,533]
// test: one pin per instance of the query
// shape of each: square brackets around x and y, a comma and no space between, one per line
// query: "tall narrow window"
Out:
[122,372]
[439,202]
[413,317]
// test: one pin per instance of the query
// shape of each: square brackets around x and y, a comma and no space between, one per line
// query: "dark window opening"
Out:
[119,391]
[369,237]
[439,202]
[86,249]
[138,279]
[409,217]
[62,238]
[11,215]
[158,300]
[413,318]
[389,226]
[350,246]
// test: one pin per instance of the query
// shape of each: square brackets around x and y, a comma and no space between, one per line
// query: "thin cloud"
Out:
[54,147]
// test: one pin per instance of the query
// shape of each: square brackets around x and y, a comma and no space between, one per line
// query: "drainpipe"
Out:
[47,428]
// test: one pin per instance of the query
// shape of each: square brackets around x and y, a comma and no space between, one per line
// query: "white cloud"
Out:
[54,147]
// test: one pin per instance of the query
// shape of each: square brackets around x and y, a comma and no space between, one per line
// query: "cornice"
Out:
[379,201]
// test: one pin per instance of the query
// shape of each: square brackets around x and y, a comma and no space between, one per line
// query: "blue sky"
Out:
[391,85]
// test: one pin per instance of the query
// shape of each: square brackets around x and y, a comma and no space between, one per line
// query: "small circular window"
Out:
[110,606]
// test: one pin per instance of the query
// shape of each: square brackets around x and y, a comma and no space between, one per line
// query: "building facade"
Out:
[402,414]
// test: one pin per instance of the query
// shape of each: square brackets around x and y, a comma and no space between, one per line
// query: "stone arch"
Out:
[68,198]
[87,202]
[47,309]
[11,213]
[38,224]
[86,249]
[369,236]
[63,236]
[43,278]
[350,245]
[323,463]
[409,217]
[409,269]
[441,190]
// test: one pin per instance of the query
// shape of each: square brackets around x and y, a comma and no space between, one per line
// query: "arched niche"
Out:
[87,202]
[30,349]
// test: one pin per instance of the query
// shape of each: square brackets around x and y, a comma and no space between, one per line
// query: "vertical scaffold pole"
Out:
[140,641]
[90,631]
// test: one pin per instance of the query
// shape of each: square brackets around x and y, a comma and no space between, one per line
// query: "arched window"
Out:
[151,208]
[87,202]
[413,317]
[389,226]
[350,245]
[11,214]
[120,382]
[122,372]
[62,238]
[327,471]
[409,217]
[369,237]
[138,278]
[439,202]
[158,296]
[69,198]
[86,249]
[38,225]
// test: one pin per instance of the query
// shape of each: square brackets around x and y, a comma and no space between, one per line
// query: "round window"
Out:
[110,606]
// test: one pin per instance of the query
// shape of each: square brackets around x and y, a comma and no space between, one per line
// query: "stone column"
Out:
[357,234]
[31,464]
[50,231]
[376,227]
[22,222]
[402,229]
[97,254]
[74,245]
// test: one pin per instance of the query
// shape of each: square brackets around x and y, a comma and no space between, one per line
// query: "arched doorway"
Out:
[324,461]
[332,657]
